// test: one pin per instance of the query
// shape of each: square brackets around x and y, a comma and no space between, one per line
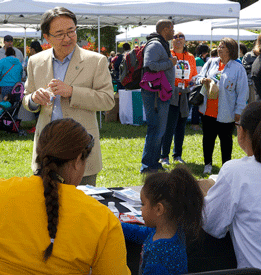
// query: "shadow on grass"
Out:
[118,130]
[14,136]
[197,169]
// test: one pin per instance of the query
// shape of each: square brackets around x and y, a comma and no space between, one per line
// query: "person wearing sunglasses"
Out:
[233,203]
[178,113]
[78,80]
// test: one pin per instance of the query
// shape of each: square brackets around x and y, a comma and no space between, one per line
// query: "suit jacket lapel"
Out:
[48,67]
[75,66]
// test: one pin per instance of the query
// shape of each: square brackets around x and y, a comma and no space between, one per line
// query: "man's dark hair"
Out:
[161,24]
[10,51]
[49,15]
[126,46]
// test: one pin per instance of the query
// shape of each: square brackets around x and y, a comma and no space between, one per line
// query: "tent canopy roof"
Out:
[119,12]
[249,19]
[192,30]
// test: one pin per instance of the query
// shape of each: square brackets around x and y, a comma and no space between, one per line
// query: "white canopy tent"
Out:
[197,30]
[249,19]
[119,12]
[19,32]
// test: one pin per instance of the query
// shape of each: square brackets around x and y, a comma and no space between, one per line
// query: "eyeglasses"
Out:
[61,36]
[180,36]
[221,47]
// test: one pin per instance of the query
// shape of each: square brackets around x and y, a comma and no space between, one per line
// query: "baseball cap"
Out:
[8,38]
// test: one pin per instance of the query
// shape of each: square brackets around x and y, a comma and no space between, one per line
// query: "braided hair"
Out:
[61,141]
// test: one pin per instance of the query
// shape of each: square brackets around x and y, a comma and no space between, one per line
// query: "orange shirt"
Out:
[186,66]
[212,104]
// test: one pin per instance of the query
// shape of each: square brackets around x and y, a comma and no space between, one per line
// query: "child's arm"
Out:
[135,233]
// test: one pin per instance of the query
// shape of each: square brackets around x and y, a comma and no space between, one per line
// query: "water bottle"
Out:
[113,208]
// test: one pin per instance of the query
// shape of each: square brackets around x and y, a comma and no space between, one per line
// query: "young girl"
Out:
[171,208]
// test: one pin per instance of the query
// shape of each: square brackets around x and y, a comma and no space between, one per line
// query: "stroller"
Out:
[9,121]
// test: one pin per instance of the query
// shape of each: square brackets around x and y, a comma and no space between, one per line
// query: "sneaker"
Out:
[179,159]
[207,169]
[164,161]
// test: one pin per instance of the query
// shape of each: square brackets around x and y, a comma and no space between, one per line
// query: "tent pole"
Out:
[24,43]
[211,39]
[238,37]
[99,50]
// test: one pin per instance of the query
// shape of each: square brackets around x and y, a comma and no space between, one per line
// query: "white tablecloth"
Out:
[131,110]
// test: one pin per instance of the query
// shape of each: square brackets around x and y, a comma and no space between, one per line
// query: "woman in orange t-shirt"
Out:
[185,69]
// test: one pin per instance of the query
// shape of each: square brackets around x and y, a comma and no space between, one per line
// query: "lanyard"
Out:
[183,68]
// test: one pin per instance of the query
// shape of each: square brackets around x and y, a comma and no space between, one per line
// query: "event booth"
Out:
[118,12]
[193,31]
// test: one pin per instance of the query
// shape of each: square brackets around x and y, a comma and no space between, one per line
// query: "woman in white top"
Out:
[234,202]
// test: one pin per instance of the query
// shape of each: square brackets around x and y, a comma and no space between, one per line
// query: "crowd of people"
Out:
[48,226]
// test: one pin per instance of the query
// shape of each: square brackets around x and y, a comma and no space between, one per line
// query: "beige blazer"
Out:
[89,76]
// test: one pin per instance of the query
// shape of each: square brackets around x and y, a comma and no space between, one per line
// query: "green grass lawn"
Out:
[121,146]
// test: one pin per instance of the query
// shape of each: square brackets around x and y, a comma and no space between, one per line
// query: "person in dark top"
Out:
[256,69]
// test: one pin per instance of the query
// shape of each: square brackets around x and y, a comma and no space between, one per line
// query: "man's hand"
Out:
[41,96]
[174,60]
[60,88]
[237,118]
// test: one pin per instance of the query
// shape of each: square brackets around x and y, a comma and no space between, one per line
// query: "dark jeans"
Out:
[156,121]
[211,129]
[175,126]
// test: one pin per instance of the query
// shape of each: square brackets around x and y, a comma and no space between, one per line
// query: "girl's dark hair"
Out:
[180,193]
[10,51]
[60,141]
[250,121]
[49,15]
[232,47]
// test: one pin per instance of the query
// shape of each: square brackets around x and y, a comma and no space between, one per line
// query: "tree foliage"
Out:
[245,3]
[107,35]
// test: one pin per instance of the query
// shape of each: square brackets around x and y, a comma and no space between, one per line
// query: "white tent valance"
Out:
[20,32]
[119,12]
[196,30]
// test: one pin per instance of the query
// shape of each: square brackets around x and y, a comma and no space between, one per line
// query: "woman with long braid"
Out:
[47,226]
